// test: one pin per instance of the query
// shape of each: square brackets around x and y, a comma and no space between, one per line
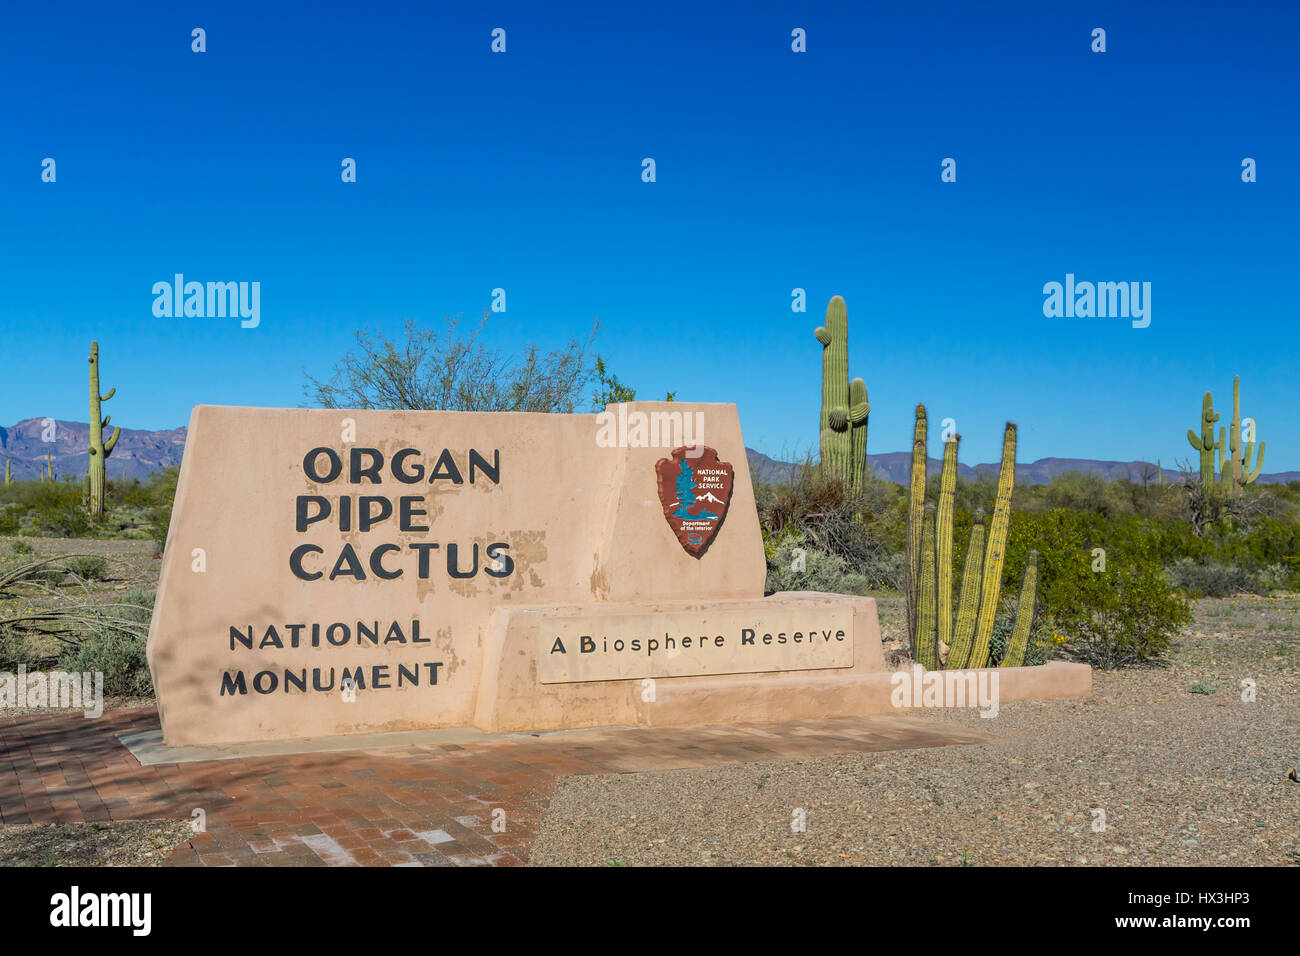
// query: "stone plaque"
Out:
[690,644]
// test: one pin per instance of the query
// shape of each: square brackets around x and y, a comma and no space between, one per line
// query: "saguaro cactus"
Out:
[915,512]
[995,551]
[943,540]
[1234,465]
[842,425]
[9,472]
[927,650]
[968,608]
[1205,443]
[1019,641]
[99,449]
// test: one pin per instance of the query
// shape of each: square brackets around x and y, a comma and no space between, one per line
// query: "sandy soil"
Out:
[1167,775]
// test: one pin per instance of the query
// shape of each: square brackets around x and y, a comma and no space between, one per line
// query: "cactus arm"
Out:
[915,515]
[1250,474]
[1195,440]
[996,548]
[968,609]
[859,410]
[112,442]
[1019,641]
[859,407]
[822,336]
[111,392]
[943,544]
[927,651]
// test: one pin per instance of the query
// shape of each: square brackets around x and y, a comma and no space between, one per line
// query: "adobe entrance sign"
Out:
[332,572]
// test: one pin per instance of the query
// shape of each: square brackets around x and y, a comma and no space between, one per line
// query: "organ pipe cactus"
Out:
[927,650]
[915,513]
[995,551]
[842,425]
[99,449]
[1205,443]
[1016,646]
[943,541]
[968,608]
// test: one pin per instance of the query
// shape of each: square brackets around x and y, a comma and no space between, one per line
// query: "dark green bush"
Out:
[90,567]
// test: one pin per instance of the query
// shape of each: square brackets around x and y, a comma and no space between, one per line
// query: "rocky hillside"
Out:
[138,452]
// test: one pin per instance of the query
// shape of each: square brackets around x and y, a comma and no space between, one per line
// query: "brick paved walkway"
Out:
[404,806]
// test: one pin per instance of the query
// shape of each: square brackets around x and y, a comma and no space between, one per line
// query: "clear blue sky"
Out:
[775,170]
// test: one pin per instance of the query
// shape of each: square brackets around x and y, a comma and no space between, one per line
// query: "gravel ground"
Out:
[1184,778]
[123,843]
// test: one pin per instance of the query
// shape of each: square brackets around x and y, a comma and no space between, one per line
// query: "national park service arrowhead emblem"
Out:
[695,489]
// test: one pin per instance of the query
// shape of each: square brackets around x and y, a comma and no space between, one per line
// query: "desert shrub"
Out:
[1210,579]
[860,525]
[117,650]
[90,567]
[1220,579]
[21,547]
[163,490]
[798,567]
[56,511]
[9,520]
[119,657]
[1123,615]
[885,570]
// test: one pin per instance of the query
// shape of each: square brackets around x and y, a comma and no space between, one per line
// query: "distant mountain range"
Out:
[140,452]
[896,467]
[137,452]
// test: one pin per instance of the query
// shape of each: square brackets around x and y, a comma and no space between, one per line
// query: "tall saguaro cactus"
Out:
[842,425]
[99,449]
[1205,443]
[915,512]
[995,551]
[9,472]
[1234,463]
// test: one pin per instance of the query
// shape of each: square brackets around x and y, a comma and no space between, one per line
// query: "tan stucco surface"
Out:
[579,544]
